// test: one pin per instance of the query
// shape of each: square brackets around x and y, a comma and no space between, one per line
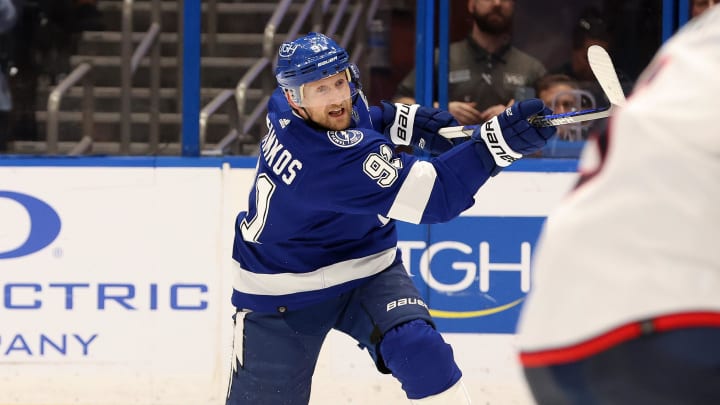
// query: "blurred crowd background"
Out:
[97,108]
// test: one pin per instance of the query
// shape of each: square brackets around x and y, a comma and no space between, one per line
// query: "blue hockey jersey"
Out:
[321,212]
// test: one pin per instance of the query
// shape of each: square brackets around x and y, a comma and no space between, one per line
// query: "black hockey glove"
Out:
[417,126]
[508,136]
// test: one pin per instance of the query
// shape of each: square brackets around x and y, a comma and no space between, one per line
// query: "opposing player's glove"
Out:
[508,136]
[417,126]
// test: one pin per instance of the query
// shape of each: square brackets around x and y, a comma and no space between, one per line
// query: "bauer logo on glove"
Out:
[509,136]
[413,124]
[495,142]
[402,127]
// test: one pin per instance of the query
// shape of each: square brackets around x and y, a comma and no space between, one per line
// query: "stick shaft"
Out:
[538,121]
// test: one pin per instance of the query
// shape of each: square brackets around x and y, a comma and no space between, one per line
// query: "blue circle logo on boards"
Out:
[45,224]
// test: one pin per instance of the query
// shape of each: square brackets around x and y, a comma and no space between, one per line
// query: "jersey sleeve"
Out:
[369,177]
[376,115]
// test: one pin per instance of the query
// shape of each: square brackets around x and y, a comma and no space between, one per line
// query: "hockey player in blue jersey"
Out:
[316,249]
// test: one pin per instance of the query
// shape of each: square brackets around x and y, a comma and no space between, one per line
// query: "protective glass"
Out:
[568,101]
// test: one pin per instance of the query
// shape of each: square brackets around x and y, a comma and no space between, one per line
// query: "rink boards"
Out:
[115,281]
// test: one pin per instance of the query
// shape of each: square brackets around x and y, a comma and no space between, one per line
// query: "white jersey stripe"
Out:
[414,193]
[247,282]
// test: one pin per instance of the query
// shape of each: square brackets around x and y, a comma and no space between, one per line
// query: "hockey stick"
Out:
[604,71]
[538,120]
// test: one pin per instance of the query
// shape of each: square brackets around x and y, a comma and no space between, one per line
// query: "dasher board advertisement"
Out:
[115,281]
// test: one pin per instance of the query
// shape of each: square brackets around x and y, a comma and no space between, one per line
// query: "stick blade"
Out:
[604,71]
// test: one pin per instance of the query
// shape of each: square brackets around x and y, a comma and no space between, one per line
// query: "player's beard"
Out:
[493,22]
[325,116]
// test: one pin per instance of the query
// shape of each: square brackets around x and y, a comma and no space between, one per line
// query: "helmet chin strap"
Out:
[296,108]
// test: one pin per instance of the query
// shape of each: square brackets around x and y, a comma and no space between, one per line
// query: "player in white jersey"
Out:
[625,302]
[317,248]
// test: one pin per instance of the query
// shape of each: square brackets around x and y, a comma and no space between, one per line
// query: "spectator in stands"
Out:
[562,94]
[589,30]
[699,7]
[40,45]
[8,16]
[486,72]
[556,90]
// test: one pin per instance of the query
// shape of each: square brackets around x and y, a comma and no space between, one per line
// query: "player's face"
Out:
[580,64]
[328,102]
[492,16]
[560,98]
